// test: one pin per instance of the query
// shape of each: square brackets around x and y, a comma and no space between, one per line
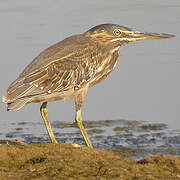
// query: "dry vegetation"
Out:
[63,161]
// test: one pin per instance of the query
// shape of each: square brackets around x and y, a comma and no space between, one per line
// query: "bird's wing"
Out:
[62,75]
[71,70]
[70,48]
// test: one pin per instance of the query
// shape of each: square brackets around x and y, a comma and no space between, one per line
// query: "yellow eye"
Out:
[117,32]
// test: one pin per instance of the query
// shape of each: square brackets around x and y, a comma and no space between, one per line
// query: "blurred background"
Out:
[148,72]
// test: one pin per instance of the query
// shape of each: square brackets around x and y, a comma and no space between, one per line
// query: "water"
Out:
[145,85]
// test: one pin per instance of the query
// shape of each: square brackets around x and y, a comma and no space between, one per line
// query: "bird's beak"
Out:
[136,36]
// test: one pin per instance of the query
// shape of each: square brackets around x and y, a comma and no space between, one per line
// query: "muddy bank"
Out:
[63,161]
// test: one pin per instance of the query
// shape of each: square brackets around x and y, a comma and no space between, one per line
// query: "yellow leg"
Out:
[44,115]
[82,130]
[79,101]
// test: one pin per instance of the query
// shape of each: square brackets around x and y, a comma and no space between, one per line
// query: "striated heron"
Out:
[67,69]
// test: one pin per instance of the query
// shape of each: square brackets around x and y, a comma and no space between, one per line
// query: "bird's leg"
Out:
[44,115]
[78,102]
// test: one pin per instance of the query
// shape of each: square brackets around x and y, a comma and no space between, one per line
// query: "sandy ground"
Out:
[67,161]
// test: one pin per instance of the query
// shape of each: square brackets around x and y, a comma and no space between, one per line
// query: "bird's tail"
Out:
[15,105]
[18,94]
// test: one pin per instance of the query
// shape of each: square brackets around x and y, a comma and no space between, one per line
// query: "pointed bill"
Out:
[133,36]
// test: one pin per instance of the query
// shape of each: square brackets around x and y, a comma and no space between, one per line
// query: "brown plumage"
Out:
[67,69]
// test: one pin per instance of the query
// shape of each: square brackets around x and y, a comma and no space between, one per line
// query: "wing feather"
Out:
[58,71]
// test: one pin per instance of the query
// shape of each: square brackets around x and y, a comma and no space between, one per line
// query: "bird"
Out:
[67,69]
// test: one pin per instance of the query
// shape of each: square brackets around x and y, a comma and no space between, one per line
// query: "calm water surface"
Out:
[145,85]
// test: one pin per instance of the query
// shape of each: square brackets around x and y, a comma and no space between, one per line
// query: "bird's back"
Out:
[56,52]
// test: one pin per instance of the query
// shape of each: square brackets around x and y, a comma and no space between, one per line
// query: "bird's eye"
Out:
[117,32]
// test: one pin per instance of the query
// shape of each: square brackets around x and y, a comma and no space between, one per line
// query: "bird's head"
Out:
[120,35]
